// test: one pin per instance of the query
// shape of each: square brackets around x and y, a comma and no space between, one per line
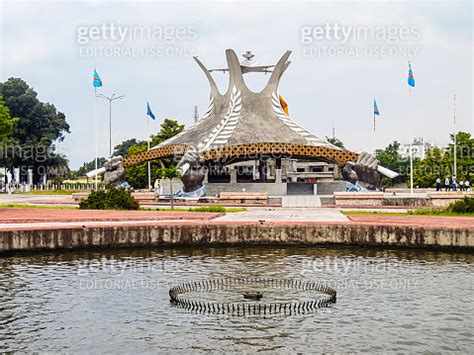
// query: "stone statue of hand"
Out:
[363,171]
[192,166]
[115,172]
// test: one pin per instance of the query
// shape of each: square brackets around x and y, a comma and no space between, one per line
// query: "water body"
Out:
[117,301]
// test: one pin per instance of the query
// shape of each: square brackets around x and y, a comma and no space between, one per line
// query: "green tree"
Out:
[335,141]
[137,175]
[6,121]
[391,159]
[439,162]
[464,154]
[434,165]
[122,148]
[169,128]
[169,173]
[38,128]
[58,168]
[89,166]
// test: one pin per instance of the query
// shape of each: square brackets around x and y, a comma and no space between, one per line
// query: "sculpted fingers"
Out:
[361,160]
[367,159]
[372,161]
[188,158]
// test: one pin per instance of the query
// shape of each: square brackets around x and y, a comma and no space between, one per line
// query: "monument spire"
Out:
[241,122]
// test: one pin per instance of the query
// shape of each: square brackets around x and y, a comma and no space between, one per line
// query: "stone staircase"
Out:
[308,201]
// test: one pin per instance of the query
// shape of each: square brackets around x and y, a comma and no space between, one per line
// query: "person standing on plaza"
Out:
[447,184]
[438,184]
[461,185]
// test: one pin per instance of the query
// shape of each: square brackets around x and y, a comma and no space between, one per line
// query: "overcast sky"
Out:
[344,54]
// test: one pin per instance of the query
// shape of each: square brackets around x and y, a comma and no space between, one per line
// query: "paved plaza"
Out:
[30,199]
[285,215]
[44,218]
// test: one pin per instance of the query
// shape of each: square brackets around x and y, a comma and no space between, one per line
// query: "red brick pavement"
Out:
[29,217]
[37,215]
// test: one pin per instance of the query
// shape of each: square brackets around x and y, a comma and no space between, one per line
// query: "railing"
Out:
[178,298]
[21,187]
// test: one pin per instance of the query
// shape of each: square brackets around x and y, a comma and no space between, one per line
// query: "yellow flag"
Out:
[284,105]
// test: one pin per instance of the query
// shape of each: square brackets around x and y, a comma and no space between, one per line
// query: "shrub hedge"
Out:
[465,205]
[111,199]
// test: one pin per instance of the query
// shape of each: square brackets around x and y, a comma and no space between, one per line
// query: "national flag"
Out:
[149,112]
[97,82]
[284,105]
[376,109]
[411,78]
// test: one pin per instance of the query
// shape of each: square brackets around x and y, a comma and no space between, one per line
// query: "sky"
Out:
[343,55]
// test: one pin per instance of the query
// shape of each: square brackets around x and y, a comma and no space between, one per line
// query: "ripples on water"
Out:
[117,301]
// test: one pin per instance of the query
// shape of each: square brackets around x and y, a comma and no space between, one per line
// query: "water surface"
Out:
[117,301]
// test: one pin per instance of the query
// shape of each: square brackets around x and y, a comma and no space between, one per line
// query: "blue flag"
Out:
[376,109]
[411,78]
[149,112]
[97,82]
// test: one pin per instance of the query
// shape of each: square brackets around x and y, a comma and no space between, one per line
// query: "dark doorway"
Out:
[245,173]
[299,188]
[218,174]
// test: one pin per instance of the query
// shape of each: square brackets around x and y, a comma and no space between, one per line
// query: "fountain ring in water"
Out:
[254,308]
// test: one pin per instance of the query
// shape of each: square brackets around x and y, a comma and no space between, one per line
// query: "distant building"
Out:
[419,148]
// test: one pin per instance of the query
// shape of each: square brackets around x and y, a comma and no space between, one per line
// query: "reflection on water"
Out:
[117,300]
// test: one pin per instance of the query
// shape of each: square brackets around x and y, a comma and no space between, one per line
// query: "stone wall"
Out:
[236,234]
[406,201]
[213,189]
[379,199]
[443,199]
[358,199]
[272,188]
[329,188]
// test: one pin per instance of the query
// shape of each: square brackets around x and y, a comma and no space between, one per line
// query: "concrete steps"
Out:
[310,201]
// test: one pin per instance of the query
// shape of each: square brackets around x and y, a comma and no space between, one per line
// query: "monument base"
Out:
[271,188]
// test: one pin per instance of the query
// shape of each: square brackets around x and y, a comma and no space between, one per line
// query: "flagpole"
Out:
[374,130]
[95,129]
[455,140]
[148,163]
[411,143]
[110,128]
[375,149]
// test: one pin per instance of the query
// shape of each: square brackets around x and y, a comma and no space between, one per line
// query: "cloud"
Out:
[39,44]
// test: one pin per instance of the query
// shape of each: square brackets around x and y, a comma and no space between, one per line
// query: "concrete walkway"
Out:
[30,199]
[285,215]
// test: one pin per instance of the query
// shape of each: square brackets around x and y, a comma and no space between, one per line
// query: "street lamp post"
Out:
[110,99]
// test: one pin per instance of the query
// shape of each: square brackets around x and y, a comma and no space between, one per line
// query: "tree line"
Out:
[29,132]
[137,175]
[437,163]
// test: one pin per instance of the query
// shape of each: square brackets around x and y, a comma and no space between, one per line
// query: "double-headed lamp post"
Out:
[110,99]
